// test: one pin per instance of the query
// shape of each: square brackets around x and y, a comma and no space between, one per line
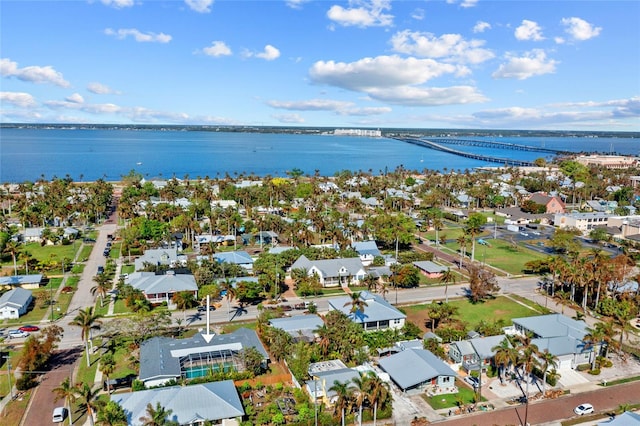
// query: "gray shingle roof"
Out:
[553,325]
[483,345]
[239,257]
[294,324]
[330,267]
[377,308]
[209,401]
[413,367]
[18,280]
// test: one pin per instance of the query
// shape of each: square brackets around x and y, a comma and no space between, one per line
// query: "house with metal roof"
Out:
[419,369]
[163,359]
[367,250]
[24,281]
[162,256]
[560,335]
[300,327]
[472,353]
[217,402]
[15,303]
[430,269]
[161,288]
[333,272]
[378,314]
[324,375]
[239,257]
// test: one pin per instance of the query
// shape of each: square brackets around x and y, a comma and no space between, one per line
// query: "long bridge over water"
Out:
[438,147]
[500,145]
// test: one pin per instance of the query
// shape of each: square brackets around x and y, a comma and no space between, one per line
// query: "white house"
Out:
[15,303]
[377,314]
[333,272]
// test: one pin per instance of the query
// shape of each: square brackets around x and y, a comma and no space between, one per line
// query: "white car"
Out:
[583,409]
[13,334]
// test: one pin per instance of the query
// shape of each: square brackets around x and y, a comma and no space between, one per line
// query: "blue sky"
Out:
[554,65]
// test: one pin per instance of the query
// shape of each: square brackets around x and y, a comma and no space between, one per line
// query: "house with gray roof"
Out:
[333,272]
[419,369]
[163,359]
[239,257]
[325,373]
[162,256]
[430,269]
[15,303]
[561,335]
[300,327]
[161,288]
[472,353]
[367,250]
[378,314]
[217,402]
[24,281]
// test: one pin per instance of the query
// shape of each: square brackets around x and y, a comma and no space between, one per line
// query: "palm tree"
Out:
[184,300]
[549,360]
[447,277]
[111,414]
[87,320]
[102,287]
[592,340]
[527,361]
[378,393]
[343,393]
[324,342]
[357,305]
[87,397]
[361,394]
[505,355]
[67,392]
[157,416]
[107,366]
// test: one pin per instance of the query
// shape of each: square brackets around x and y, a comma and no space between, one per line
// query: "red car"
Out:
[29,328]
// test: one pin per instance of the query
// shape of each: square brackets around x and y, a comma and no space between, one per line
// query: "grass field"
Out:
[499,308]
[464,395]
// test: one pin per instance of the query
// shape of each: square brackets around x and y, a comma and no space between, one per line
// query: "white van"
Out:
[59,414]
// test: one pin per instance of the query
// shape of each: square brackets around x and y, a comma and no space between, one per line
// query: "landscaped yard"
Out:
[491,310]
[464,396]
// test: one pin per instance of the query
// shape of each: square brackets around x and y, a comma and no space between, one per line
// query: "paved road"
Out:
[43,400]
[604,400]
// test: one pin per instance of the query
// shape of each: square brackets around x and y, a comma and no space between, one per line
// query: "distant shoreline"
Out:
[323,130]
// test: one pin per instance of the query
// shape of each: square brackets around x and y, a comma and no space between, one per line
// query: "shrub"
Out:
[67,289]
[594,372]
[137,385]
[583,367]
[25,382]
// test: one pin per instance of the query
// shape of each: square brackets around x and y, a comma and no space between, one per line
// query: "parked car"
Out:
[583,409]
[472,381]
[59,414]
[100,270]
[202,308]
[14,334]
[29,328]
[113,384]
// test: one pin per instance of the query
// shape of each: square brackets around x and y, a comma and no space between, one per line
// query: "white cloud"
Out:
[428,96]
[338,107]
[217,48]
[450,47]
[200,6]
[362,13]
[32,74]
[288,118]
[270,53]
[18,99]
[138,35]
[481,27]
[620,107]
[311,105]
[101,89]
[418,14]
[529,30]
[378,72]
[464,3]
[579,29]
[75,98]
[118,4]
[296,4]
[533,63]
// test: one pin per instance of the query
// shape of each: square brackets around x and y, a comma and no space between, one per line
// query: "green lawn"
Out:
[502,255]
[499,308]
[128,269]
[85,252]
[465,395]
